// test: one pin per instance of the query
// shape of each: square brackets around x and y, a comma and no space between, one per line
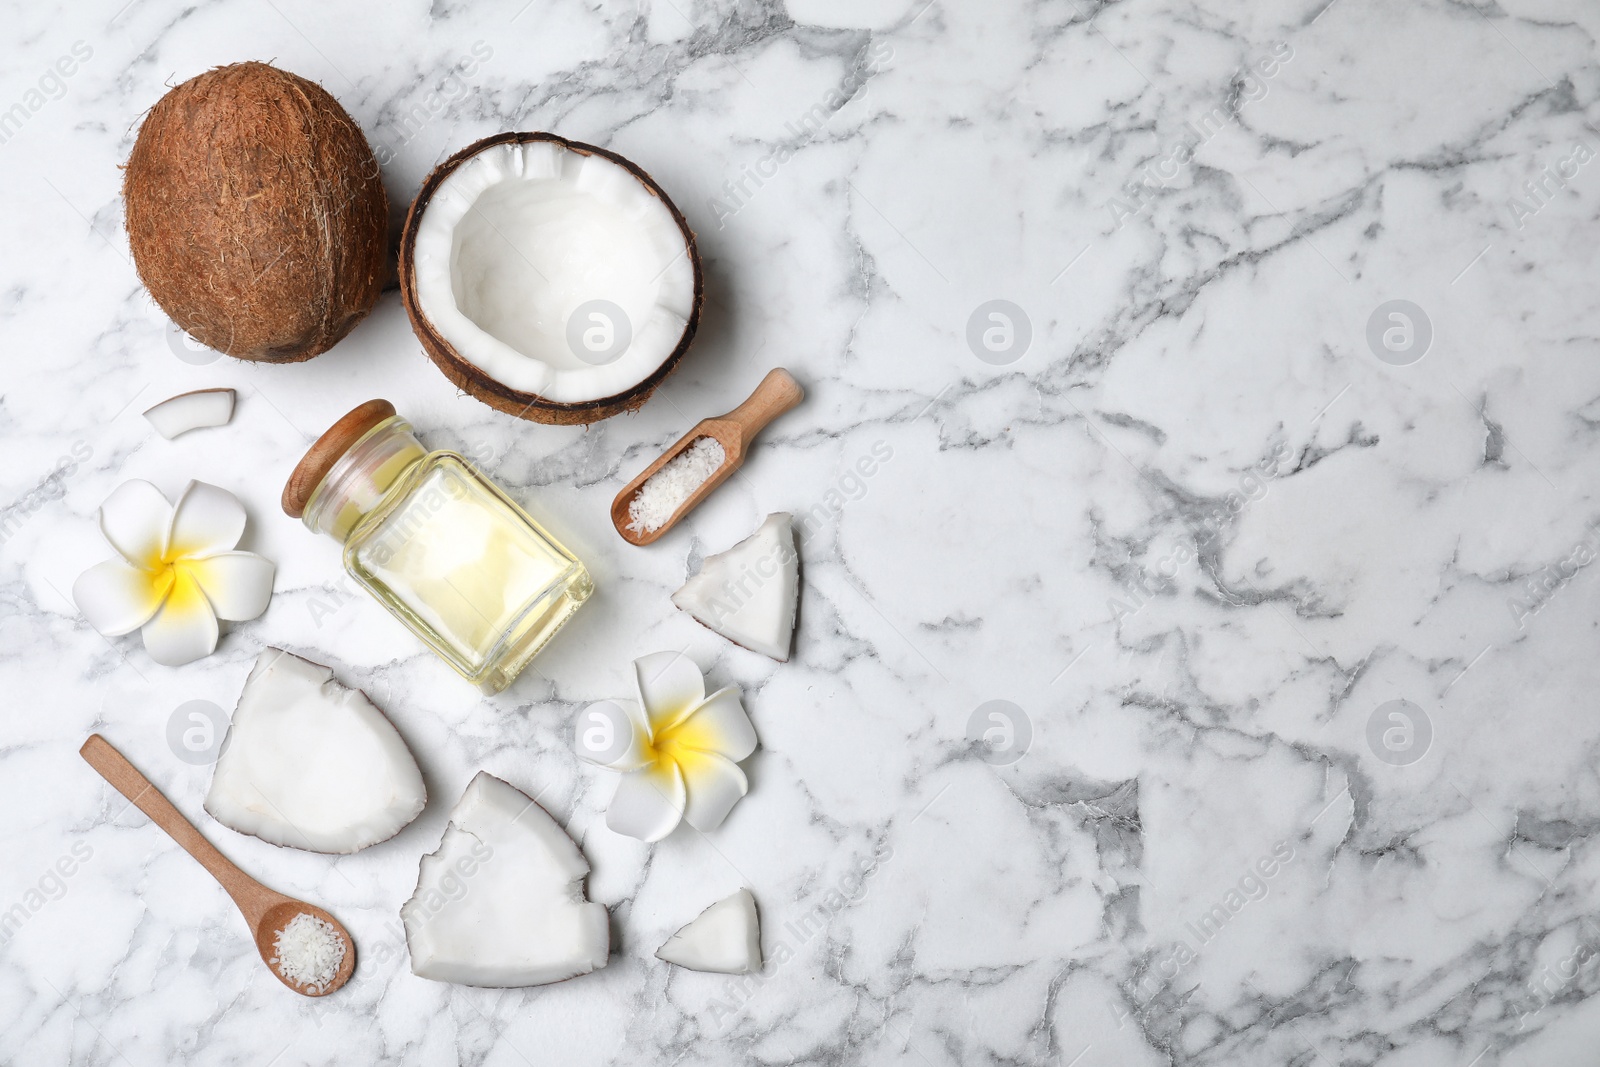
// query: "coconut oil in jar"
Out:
[438,544]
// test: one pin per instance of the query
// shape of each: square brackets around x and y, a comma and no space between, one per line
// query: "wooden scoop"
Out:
[777,393]
[265,910]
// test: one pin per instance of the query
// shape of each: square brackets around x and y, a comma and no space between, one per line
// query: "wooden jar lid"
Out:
[320,457]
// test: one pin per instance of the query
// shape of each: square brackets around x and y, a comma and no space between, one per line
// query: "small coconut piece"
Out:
[192,411]
[256,214]
[312,764]
[724,939]
[552,280]
[501,902]
[748,594]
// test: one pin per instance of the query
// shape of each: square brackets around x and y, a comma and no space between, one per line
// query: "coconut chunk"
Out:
[724,939]
[748,594]
[501,902]
[312,764]
[192,411]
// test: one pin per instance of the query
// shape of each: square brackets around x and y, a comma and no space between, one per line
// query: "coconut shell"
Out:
[470,378]
[256,214]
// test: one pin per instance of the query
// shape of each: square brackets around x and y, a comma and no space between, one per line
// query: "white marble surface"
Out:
[1199,692]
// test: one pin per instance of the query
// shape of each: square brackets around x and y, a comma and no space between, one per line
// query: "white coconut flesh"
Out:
[520,238]
[725,939]
[191,411]
[501,902]
[312,764]
[748,594]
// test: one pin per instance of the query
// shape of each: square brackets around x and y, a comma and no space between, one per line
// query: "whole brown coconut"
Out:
[256,214]
[469,378]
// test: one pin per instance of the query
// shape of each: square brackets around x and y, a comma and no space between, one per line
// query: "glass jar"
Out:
[438,544]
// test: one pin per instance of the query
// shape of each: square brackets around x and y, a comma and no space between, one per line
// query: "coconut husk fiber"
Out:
[256,214]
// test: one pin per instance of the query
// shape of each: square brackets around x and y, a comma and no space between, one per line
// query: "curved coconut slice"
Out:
[501,902]
[192,411]
[725,939]
[312,764]
[550,279]
[748,594]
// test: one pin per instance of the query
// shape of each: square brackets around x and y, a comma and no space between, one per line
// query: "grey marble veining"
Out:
[1273,540]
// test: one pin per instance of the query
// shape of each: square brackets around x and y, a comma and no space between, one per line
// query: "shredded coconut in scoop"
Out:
[664,492]
[309,950]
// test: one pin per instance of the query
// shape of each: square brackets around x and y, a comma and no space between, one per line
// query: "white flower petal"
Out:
[185,629]
[238,584]
[118,599]
[714,786]
[135,519]
[614,734]
[206,520]
[648,803]
[670,686]
[718,725]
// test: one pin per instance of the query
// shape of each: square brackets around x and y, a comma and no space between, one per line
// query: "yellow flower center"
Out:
[685,741]
[163,574]
[172,580]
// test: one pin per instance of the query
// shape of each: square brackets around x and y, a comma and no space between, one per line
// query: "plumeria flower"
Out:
[176,572]
[678,748]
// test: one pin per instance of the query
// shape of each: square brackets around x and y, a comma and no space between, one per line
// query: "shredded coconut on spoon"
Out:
[309,950]
[664,492]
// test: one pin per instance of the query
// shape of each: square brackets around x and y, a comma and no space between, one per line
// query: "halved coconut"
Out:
[501,902]
[550,279]
[312,764]
[724,939]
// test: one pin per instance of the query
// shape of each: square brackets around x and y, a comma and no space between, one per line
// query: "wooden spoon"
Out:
[777,393]
[266,910]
